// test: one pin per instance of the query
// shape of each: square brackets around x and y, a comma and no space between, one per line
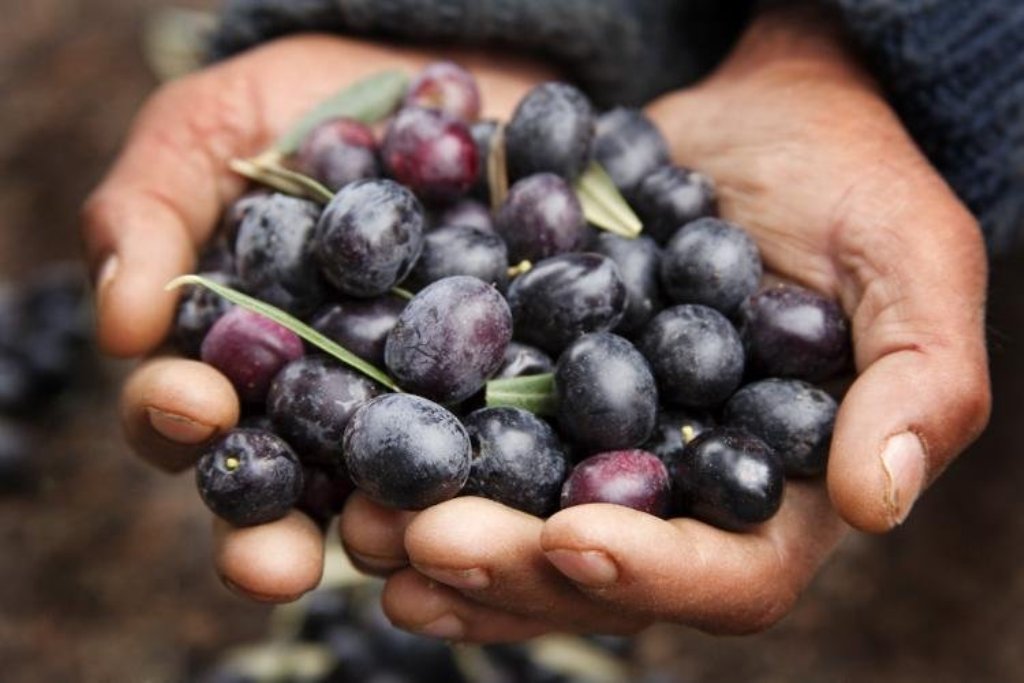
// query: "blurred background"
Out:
[104,563]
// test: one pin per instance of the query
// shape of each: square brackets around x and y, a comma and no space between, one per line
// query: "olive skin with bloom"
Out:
[789,331]
[541,217]
[635,479]
[449,340]
[431,153]
[338,152]
[606,395]
[550,131]
[448,87]
[311,401]
[793,417]
[250,350]
[696,355]
[274,254]
[729,478]
[710,262]
[639,261]
[361,325]
[564,297]
[517,460]
[669,198]
[629,147]
[406,452]
[369,237]
[461,250]
[249,477]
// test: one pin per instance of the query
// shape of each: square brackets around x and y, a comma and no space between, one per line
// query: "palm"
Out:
[817,167]
[814,164]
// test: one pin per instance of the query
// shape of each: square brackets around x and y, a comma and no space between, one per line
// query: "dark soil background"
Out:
[104,572]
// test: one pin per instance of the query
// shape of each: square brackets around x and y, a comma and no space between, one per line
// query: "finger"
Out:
[165,192]
[918,278]
[161,200]
[686,571]
[490,553]
[374,535]
[170,407]
[275,562]
[416,603]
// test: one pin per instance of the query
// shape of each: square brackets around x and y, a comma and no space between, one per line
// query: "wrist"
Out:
[794,35]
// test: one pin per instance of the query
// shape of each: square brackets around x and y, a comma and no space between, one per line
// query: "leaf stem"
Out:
[497,168]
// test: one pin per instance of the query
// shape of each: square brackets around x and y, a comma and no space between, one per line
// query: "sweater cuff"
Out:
[619,51]
[954,71]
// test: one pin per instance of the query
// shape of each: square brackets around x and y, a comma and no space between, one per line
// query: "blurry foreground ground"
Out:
[104,572]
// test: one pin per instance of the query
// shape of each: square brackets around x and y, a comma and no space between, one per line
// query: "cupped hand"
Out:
[161,202]
[808,157]
[806,154]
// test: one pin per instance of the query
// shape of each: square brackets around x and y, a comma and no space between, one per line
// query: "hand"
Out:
[162,200]
[809,157]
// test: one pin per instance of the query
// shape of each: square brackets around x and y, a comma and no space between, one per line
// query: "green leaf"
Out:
[267,170]
[403,293]
[603,204]
[535,393]
[297,326]
[368,100]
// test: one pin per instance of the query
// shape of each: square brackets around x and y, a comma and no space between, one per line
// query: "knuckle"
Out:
[395,599]
[95,216]
[754,618]
[976,404]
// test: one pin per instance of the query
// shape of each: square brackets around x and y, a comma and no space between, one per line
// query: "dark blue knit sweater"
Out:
[954,69]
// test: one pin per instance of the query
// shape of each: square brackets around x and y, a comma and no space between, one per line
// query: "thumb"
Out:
[164,194]
[162,198]
[916,281]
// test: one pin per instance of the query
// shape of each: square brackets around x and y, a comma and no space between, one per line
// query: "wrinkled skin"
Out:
[806,154]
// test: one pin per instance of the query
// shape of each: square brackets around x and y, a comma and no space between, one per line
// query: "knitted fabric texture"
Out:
[953,69]
[955,72]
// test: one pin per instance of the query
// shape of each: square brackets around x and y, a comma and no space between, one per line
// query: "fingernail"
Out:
[375,565]
[903,459]
[448,627]
[589,567]
[463,579]
[178,428]
[253,595]
[106,275]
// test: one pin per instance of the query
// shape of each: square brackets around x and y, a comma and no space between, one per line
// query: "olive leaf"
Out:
[285,320]
[534,393]
[603,204]
[369,101]
[267,170]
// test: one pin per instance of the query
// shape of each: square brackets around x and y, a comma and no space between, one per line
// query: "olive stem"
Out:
[521,268]
[497,168]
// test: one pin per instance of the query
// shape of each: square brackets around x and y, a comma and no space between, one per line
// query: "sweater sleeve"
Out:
[954,70]
[620,51]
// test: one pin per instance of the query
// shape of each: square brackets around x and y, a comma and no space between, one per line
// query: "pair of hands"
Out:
[807,156]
